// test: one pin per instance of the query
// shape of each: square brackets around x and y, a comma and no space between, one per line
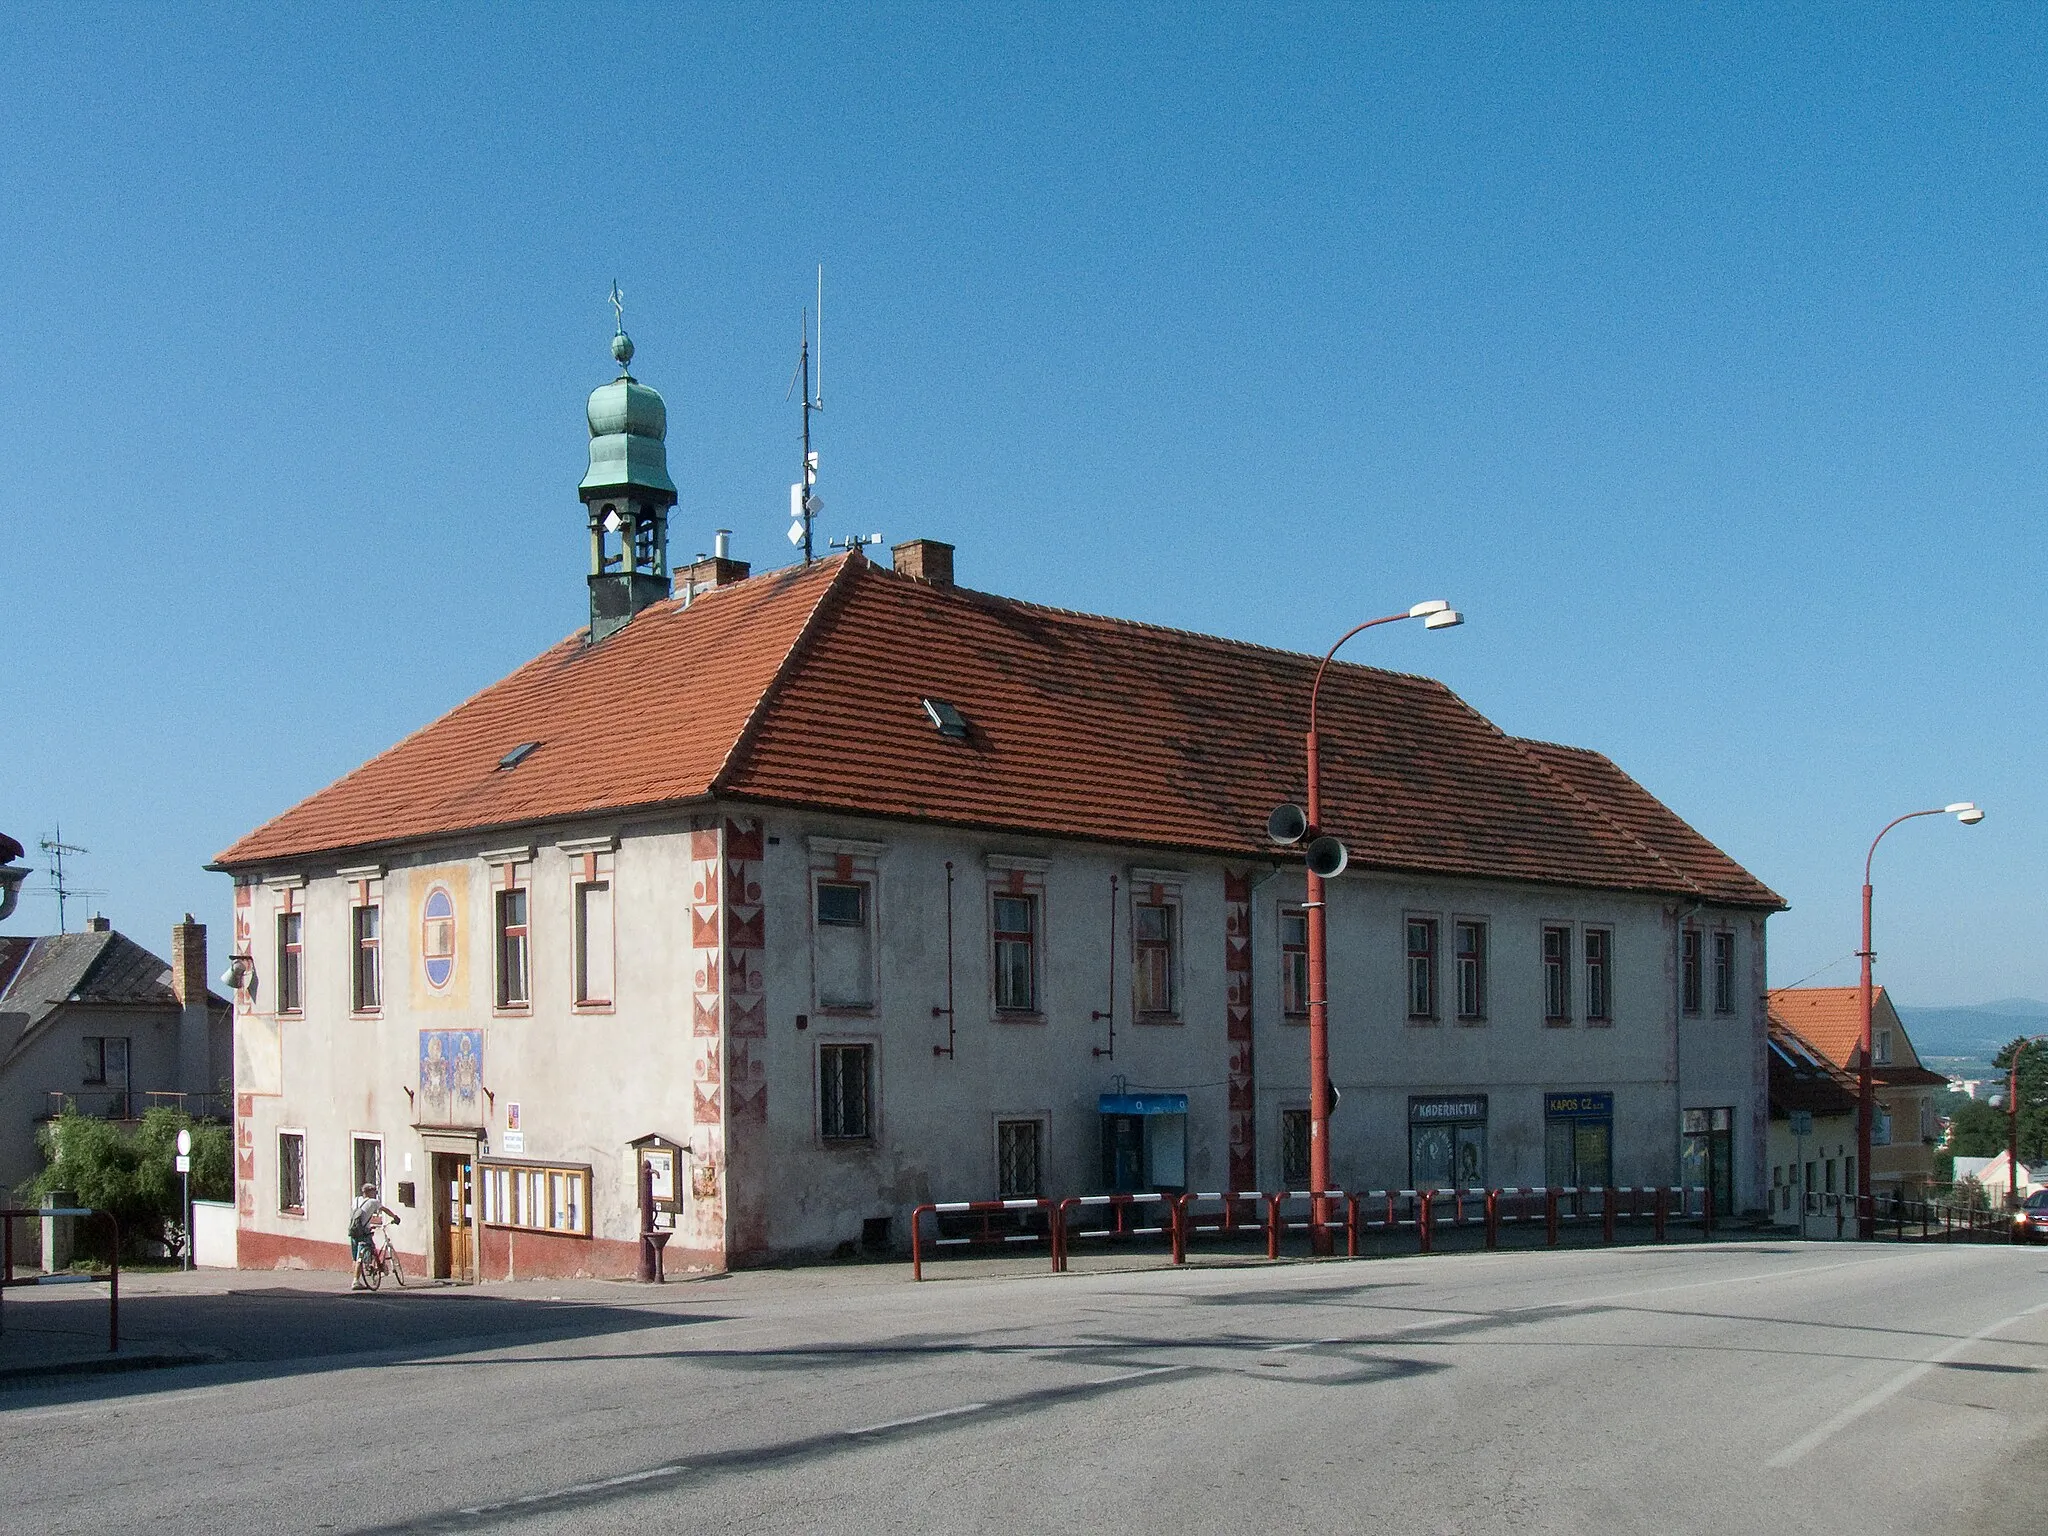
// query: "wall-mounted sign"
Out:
[1565,1106]
[1469,1106]
[661,1171]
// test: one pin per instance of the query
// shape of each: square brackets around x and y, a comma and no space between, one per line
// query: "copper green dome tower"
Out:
[627,492]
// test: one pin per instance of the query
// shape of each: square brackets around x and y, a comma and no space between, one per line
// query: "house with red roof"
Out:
[809,896]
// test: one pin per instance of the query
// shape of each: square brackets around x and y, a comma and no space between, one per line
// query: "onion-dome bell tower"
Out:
[628,494]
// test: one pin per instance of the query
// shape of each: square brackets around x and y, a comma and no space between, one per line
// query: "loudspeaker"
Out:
[1327,857]
[1287,824]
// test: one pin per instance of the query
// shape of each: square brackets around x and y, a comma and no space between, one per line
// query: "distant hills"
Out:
[1974,1033]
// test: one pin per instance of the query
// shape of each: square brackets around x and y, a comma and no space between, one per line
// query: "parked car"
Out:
[2030,1224]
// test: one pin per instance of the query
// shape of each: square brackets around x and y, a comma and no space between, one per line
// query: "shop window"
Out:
[1155,942]
[1422,968]
[1578,1139]
[1294,1138]
[1557,975]
[1447,1142]
[1599,946]
[1707,1155]
[291,978]
[1724,973]
[1014,919]
[845,1092]
[366,961]
[1294,964]
[1471,970]
[513,951]
[291,1172]
[1019,1161]
[537,1198]
[844,944]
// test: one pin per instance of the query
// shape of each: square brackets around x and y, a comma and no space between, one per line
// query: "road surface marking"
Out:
[1893,1388]
[917,1418]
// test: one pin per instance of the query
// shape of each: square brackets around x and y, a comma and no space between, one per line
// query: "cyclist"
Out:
[363,1218]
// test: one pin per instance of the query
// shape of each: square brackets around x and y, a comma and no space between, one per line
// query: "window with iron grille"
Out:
[1154,943]
[845,944]
[1557,974]
[1294,1137]
[845,1092]
[366,971]
[514,977]
[1599,943]
[1689,971]
[1471,970]
[1421,967]
[1294,964]
[1018,1166]
[291,979]
[1724,973]
[291,1172]
[1015,923]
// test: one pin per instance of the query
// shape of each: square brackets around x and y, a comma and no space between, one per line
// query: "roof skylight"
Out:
[518,754]
[948,719]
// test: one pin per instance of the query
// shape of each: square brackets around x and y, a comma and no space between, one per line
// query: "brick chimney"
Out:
[718,569]
[188,961]
[925,560]
[99,924]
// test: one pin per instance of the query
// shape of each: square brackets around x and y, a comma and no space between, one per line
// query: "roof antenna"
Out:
[804,502]
[55,846]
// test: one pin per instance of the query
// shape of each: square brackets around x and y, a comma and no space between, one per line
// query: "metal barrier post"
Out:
[1272,1226]
[1550,1215]
[1351,1225]
[1657,1216]
[1424,1217]
[113,1283]
[1493,1218]
[1176,1210]
[1606,1215]
[1706,1214]
[916,1249]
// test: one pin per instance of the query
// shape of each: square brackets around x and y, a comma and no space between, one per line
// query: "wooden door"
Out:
[454,1217]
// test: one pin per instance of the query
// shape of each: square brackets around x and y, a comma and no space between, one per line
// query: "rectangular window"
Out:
[106,1061]
[1015,921]
[514,977]
[1724,973]
[366,1164]
[1557,974]
[1882,1055]
[845,944]
[1421,967]
[1707,1154]
[291,1172]
[1689,971]
[845,1092]
[1153,936]
[537,1199]
[593,900]
[1018,1144]
[1294,964]
[1294,1131]
[1471,970]
[1599,1000]
[366,983]
[291,981]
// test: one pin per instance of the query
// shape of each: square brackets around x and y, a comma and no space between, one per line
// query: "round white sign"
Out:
[184,1143]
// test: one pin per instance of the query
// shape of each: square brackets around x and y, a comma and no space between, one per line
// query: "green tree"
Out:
[131,1173]
[1977,1130]
[2033,1098]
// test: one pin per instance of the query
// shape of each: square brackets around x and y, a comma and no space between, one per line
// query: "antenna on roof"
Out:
[55,846]
[804,502]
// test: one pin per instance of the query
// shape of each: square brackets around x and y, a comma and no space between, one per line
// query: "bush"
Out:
[132,1173]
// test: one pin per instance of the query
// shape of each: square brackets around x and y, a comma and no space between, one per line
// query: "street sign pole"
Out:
[185,1188]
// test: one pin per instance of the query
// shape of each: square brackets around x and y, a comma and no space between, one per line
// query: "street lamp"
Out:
[2012,1119]
[1866,1090]
[1326,859]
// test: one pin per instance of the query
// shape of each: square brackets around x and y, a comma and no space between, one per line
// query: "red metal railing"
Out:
[1122,1213]
[988,1224]
[7,1220]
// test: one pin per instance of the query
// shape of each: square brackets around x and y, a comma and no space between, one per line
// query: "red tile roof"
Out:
[1802,1077]
[1831,1018]
[804,689]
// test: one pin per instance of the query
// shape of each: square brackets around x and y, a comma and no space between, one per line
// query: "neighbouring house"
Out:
[1813,1131]
[95,1021]
[827,891]
[1995,1175]
[1905,1129]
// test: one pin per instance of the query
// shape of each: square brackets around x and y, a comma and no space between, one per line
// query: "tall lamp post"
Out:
[1866,1088]
[2012,1120]
[1326,858]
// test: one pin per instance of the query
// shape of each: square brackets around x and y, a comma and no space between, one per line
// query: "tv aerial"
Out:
[804,502]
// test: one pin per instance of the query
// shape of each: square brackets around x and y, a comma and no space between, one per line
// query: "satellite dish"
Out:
[1327,857]
[1287,824]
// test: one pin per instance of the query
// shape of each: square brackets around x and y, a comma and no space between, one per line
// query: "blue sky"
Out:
[1695,352]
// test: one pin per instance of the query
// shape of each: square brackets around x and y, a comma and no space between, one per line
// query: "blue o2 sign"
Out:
[437,936]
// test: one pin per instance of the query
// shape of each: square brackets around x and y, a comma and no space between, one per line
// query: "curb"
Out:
[22,1375]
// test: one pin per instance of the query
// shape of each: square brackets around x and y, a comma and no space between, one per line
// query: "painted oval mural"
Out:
[437,937]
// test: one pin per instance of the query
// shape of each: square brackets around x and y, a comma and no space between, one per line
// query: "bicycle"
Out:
[383,1260]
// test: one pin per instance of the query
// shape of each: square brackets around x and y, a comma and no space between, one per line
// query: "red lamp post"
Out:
[1434,615]
[2012,1121]
[1866,1087]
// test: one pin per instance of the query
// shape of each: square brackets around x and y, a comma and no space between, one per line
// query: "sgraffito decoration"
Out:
[746,1019]
[437,937]
[1237,967]
[706,1215]
[451,1076]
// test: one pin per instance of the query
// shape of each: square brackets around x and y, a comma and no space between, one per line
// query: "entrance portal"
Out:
[454,1217]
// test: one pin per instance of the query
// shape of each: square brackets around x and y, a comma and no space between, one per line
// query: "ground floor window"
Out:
[1578,1140]
[291,1172]
[366,1164]
[1294,1136]
[1708,1155]
[536,1198]
[1447,1142]
[1019,1161]
[845,1092]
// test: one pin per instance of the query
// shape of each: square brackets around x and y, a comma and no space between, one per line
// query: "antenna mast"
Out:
[804,501]
[55,846]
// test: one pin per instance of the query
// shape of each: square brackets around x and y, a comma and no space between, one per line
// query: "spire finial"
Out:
[622,344]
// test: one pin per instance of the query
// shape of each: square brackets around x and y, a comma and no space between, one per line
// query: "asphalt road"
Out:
[1790,1388]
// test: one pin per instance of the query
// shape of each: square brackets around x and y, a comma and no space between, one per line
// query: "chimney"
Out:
[98,924]
[188,961]
[706,574]
[925,560]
